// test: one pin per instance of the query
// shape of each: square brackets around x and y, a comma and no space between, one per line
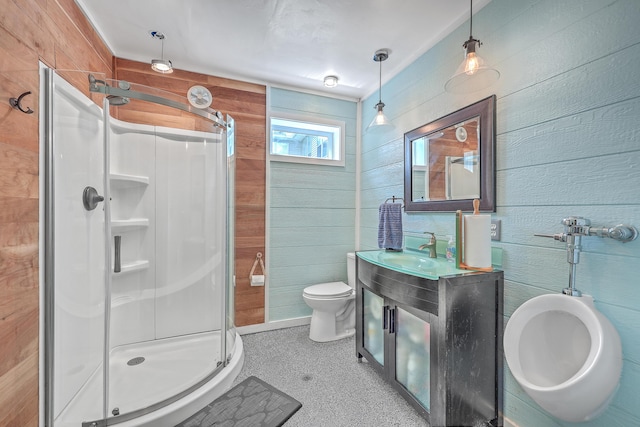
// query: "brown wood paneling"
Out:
[24,20]
[57,33]
[71,41]
[246,103]
[21,381]
[18,173]
[77,18]
[18,75]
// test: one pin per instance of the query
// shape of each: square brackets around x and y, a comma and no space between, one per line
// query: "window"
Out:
[306,140]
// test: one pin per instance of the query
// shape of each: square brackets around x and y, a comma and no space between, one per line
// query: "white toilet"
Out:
[333,306]
[565,354]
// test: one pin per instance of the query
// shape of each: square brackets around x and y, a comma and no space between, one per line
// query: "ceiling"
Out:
[292,43]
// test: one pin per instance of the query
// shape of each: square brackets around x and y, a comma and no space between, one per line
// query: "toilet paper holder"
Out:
[257,279]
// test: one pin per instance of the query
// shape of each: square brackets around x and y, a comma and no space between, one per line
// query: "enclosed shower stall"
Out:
[138,254]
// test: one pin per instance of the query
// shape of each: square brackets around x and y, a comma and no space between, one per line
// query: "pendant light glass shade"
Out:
[380,122]
[473,73]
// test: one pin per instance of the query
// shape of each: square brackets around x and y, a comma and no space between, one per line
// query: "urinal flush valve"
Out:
[574,228]
[579,226]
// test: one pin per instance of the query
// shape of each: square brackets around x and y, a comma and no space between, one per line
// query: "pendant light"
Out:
[163,66]
[380,122]
[473,74]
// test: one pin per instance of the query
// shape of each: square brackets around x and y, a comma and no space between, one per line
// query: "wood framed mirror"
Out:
[451,161]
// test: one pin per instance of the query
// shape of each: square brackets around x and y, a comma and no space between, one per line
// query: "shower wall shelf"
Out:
[123,180]
[130,190]
[134,266]
[122,225]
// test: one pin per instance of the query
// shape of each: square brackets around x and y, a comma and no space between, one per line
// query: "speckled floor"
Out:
[334,389]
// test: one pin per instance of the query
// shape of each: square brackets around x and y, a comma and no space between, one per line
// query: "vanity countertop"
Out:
[412,262]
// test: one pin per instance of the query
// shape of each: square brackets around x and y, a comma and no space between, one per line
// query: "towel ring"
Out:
[393,200]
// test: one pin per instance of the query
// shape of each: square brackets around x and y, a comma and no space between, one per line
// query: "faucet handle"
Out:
[432,239]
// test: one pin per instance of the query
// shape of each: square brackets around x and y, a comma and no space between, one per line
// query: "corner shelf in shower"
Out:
[123,180]
[121,225]
[131,267]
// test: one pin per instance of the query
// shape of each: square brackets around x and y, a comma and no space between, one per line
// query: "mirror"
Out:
[451,161]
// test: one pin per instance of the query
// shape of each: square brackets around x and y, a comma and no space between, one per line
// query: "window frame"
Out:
[340,150]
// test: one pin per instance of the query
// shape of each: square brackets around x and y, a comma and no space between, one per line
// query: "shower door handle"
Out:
[117,267]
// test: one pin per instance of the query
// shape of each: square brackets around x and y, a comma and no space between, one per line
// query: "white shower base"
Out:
[170,366]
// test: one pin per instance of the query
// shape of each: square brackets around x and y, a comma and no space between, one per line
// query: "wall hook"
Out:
[16,103]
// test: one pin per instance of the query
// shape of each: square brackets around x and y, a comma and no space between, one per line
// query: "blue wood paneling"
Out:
[568,143]
[311,210]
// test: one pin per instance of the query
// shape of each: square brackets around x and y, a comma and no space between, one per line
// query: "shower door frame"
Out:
[48,244]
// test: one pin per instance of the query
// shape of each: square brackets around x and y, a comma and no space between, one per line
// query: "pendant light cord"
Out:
[380,84]
[470,19]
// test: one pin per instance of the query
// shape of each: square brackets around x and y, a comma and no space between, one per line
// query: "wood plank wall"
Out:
[56,32]
[246,103]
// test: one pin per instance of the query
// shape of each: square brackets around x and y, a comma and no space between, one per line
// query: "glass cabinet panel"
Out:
[373,332]
[413,355]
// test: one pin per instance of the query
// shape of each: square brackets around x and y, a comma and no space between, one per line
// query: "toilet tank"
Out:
[351,269]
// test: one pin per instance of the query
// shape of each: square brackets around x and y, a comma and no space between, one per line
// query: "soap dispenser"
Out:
[451,249]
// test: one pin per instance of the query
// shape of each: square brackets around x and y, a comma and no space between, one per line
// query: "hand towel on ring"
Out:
[390,226]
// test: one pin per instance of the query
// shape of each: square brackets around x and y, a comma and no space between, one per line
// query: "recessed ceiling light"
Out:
[331,81]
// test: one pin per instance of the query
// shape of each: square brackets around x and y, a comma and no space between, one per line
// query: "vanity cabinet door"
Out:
[412,354]
[374,314]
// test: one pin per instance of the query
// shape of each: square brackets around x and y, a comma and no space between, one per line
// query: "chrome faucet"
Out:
[431,245]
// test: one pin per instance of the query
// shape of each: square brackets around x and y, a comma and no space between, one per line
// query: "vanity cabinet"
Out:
[438,342]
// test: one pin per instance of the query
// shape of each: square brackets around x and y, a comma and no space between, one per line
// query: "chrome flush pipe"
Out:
[574,228]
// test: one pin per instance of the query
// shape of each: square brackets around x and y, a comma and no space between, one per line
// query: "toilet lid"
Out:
[325,290]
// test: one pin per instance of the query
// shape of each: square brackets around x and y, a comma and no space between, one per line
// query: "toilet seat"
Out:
[330,290]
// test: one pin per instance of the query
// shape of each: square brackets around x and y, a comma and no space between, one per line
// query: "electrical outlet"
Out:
[495,229]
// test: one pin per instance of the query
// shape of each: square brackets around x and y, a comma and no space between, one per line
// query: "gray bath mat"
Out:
[252,403]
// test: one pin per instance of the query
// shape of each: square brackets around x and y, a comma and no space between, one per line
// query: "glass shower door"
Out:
[136,255]
[231,259]
[76,230]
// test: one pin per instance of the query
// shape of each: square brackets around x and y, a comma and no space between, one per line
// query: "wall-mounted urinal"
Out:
[565,354]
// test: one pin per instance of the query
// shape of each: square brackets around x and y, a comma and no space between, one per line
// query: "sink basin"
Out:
[406,260]
[413,263]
